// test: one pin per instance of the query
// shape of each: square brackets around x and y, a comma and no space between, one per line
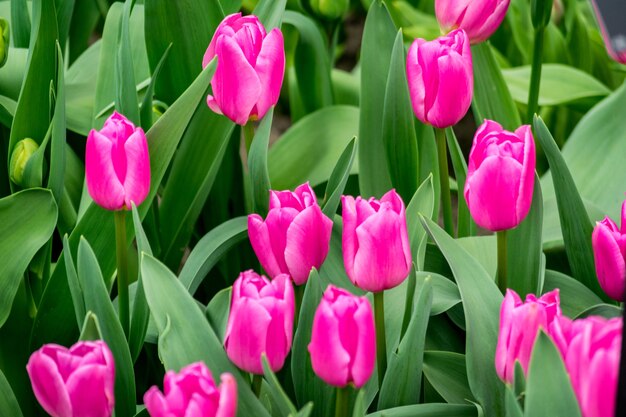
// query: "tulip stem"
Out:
[257,382]
[381,343]
[122,269]
[248,135]
[502,271]
[535,75]
[299,295]
[342,402]
[444,181]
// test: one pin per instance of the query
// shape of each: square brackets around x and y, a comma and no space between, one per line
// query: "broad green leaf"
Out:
[8,402]
[446,372]
[377,44]
[429,410]
[422,202]
[575,297]
[270,12]
[20,23]
[445,294]
[97,300]
[513,408]
[309,150]
[78,298]
[91,328]
[84,20]
[608,311]
[145,112]
[126,101]
[28,219]
[338,179]
[185,335]
[217,312]
[257,165]
[465,224]
[277,392]
[481,304]
[56,179]
[548,388]
[65,11]
[398,130]
[359,409]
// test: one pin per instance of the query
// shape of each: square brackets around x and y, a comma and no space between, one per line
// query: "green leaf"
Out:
[338,179]
[270,12]
[146,112]
[445,294]
[185,336]
[548,388]
[91,328]
[481,304]
[513,408]
[257,164]
[218,310]
[575,222]
[8,403]
[20,23]
[359,409]
[429,410]
[398,130]
[422,202]
[575,297]
[57,145]
[309,150]
[27,221]
[97,300]
[465,224]
[446,372]
[376,49]
[126,101]
[78,299]
[608,311]
[402,382]
[277,393]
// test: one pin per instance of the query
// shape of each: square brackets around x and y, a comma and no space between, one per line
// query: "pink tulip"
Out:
[250,68]
[479,18]
[376,250]
[441,78]
[343,343]
[74,382]
[192,392]
[501,176]
[609,252]
[295,236]
[260,321]
[117,164]
[519,325]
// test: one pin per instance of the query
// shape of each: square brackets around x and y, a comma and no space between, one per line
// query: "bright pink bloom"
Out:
[609,252]
[519,326]
[117,164]
[74,382]
[250,68]
[295,236]
[376,249]
[501,176]
[441,78]
[479,18]
[343,343]
[260,321]
[192,392]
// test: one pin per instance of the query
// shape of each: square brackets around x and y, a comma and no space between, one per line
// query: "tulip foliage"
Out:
[308,208]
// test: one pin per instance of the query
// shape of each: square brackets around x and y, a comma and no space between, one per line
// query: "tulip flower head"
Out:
[250,68]
[343,343]
[74,382]
[376,249]
[441,78]
[260,321]
[609,252]
[501,176]
[478,18]
[192,392]
[117,164]
[519,326]
[295,236]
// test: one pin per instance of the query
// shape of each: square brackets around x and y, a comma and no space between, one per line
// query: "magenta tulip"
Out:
[376,250]
[295,236]
[519,325]
[441,79]
[501,176]
[250,68]
[74,382]
[192,392]
[609,251]
[343,343]
[117,165]
[260,321]
[478,18]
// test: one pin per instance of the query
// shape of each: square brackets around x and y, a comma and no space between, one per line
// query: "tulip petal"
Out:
[527,184]
[210,101]
[270,67]
[415,76]
[610,265]
[137,181]
[259,236]
[349,241]
[228,397]
[155,403]
[102,182]
[89,393]
[365,357]
[454,95]
[224,28]
[48,386]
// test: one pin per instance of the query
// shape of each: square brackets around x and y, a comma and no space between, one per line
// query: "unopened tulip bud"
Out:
[22,153]
[540,11]
[609,252]
[4,42]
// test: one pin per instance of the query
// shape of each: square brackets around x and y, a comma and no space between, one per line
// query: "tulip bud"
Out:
[343,342]
[609,252]
[540,11]
[478,18]
[376,249]
[519,325]
[4,42]
[441,78]
[20,156]
[117,165]
[295,236]
[74,382]
[250,68]
[192,392]
[260,321]
[330,9]
[501,176]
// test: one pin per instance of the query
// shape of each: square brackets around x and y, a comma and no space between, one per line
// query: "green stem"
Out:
[342,403]
[122,269]
[446,203]
[299,294]
[535,75]
[381,342]
[502,271]
[257,381]
[248,135]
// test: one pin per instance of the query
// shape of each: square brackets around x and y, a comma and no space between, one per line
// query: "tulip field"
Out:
[312,208]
